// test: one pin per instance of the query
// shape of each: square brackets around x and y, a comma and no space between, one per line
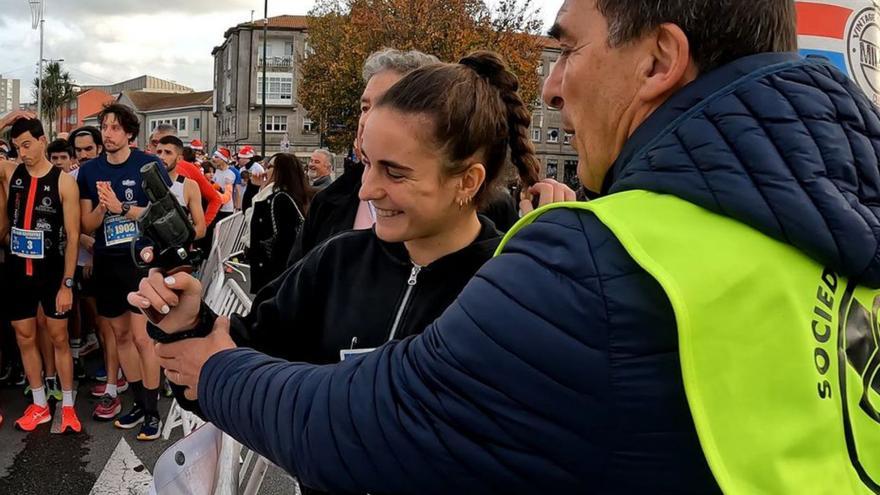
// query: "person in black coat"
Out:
[276,218]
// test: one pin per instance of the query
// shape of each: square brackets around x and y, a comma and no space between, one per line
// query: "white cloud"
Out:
[105,41]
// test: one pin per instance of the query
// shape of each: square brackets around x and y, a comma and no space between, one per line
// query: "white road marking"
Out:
[124,473]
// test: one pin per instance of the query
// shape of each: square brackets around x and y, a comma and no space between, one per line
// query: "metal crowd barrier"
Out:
[225,297]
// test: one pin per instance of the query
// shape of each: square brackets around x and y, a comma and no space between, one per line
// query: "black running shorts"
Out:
[25,293]
[113,278]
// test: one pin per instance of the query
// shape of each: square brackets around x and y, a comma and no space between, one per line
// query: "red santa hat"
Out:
[197,145]
[223,154]
[246,152]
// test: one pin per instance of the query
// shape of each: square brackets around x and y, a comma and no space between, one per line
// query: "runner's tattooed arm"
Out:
[71,206]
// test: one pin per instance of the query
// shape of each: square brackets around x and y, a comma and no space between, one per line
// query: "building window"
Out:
[227,100]
[566,139]
[571,174]
[536,135]
[279,88]
[308,126]
[540,69]
[275,123]
[179,123]
[552,135]
[197,123]
[552,168]
[229,58]
[538,119]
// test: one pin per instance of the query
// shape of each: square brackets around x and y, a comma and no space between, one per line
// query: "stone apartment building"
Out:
[552,144]
[238,65]
[238,87]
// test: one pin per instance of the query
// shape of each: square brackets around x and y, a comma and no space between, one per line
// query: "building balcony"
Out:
[284,63]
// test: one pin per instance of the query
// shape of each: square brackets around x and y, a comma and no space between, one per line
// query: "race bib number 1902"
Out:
[119,230]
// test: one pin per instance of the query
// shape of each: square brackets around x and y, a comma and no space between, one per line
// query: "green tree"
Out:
[342,33]
[57,91]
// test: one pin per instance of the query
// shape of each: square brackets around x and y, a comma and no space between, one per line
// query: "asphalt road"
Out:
[43,463]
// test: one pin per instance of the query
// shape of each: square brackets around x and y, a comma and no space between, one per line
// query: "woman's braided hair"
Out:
[477,112]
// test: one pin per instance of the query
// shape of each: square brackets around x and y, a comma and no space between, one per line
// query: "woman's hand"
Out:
[548,191]
[178,297]
[183,361]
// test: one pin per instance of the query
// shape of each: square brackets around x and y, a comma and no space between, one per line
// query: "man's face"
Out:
[169,154]
[31,150]
[61,160]
[85,148]
[595,87]
[219,163]
[153,145]
[377,86]
[319,165]
[114,136]
[243,162]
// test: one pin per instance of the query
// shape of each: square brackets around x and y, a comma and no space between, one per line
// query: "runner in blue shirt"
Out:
[112,199]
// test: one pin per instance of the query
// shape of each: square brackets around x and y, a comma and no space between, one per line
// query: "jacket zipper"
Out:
[411,284]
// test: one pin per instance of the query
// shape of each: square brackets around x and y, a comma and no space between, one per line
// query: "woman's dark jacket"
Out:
[267,263]
[349,292]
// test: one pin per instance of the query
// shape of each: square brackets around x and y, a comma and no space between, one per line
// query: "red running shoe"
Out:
[34,416]
[69,420]
[108,408]
[100,389]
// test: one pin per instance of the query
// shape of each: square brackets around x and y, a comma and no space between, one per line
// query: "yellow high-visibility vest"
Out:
[780,356]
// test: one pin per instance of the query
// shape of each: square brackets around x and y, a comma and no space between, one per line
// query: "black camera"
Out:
[166,225]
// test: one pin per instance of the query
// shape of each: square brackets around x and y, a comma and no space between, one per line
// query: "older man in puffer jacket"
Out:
[706,325]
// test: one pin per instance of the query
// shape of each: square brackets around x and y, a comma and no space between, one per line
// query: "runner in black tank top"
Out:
[42,209]
[36,221]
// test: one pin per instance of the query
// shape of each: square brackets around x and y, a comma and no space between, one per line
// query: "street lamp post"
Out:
[265,49]
[37,21]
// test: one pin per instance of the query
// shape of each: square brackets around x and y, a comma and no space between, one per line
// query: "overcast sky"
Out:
[106,41]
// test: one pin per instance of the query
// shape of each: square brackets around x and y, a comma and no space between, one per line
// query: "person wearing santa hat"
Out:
[199,148]
[255,173]
[227,178]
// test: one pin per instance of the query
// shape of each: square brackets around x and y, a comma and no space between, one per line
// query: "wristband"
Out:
[204,327]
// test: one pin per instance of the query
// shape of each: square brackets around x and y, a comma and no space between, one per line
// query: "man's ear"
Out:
[669,66]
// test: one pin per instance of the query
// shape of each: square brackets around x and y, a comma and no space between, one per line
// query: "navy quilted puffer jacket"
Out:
[557,369]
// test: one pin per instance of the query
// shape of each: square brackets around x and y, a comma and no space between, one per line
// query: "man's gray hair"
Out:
[165,128]
[719,31]
[327,153]
[397,61]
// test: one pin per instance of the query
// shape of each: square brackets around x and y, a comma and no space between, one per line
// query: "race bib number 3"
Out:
[27,243]
[119,230]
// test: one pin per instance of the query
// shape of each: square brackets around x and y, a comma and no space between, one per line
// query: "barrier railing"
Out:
[225,297]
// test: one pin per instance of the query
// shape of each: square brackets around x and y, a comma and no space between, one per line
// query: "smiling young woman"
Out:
[433,147]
